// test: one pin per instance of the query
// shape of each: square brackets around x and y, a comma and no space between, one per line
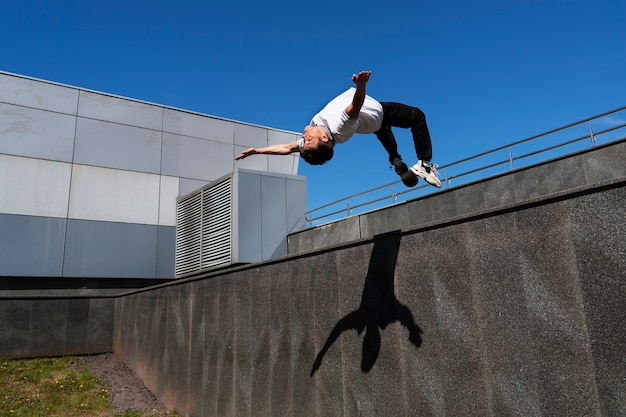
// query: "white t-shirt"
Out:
[341,126]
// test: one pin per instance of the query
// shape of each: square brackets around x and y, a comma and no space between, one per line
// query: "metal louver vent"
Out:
[243,217]
[216,225]
[203,230]
[188,235]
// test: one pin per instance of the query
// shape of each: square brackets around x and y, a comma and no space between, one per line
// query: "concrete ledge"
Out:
[563,174]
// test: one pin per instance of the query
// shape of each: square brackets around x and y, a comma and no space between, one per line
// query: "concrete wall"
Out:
[55,326]
[89,181]
[513,310]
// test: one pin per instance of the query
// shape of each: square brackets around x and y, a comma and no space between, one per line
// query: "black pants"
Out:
[401,115]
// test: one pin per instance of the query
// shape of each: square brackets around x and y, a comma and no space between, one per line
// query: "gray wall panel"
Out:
[198,126]
[273,227]
[249,227]
[250,135]
[296,200]
[288,165]
[113,145]
[105,249]
[166,248]
[120,110]
[37,94]
[36,133]
[256,163]
[186,186]
[189,157]
[31,246]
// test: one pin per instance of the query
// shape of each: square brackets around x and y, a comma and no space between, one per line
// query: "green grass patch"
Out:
[51,387]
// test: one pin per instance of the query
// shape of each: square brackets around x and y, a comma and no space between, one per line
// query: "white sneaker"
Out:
[427,171]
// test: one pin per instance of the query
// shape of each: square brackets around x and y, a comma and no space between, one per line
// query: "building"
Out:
[89,181]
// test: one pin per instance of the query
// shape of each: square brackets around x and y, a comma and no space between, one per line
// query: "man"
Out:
[355,112]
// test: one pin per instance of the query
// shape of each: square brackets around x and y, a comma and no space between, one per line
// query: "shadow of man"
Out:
[379,306]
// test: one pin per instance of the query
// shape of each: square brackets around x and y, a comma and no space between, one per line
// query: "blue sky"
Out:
[486,73]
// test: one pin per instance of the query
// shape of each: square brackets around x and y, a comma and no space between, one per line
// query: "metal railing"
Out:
[609,127]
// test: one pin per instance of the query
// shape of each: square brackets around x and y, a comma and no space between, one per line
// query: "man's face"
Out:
[313,136]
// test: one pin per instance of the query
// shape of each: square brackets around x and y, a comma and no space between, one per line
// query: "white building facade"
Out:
[89,181]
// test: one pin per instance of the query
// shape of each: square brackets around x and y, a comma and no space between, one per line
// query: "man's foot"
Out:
[408,178]
[427,171]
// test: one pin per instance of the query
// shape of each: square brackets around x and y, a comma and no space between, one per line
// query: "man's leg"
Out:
[407,117]
[401,115]
[388,140]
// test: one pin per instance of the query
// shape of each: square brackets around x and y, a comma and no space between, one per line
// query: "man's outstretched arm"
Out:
[360,80]
[282,149]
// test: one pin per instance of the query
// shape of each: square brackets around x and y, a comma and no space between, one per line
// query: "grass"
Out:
[50,387]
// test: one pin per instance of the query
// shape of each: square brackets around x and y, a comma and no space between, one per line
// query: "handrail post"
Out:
[348,208]
[591,135]
[511,158]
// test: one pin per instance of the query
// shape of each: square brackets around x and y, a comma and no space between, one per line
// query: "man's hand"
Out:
[247,152]
[361,78]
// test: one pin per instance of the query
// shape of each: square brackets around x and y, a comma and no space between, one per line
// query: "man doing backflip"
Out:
[355,112]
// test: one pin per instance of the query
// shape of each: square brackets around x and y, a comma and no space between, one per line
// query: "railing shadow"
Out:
[379,306]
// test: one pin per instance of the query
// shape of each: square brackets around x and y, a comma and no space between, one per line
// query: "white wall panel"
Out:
[114,195]
[37,94]
[36,133]
[198,126]
[33,186]
[120,110]
[167,201]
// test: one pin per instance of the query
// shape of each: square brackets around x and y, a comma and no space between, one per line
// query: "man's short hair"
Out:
[320,154]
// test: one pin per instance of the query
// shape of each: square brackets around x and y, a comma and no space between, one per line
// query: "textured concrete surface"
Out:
[517,311]
[55,326]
